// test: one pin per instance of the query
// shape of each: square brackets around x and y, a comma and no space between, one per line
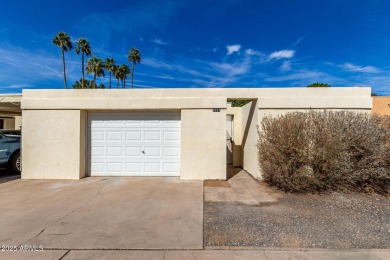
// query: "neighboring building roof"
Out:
[381,105]
[10,104]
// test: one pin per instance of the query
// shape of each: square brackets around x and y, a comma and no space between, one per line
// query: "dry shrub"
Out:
[328,150]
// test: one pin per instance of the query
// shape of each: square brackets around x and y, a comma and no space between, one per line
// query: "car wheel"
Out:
[15,163]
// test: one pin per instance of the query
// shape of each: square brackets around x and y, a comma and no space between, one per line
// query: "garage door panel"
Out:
[171,167]
[152,135]
[134,144]
[97,151]
[97,167]
[171,151]
[135,135]
[114,135]
[151,122]
[152,151]
[113,151]
[171,135]
[98,135]
[152,167]
[171,123]
[98,123]
[133,167]
[134,123]
[134,151]
[116,121]
[115,167]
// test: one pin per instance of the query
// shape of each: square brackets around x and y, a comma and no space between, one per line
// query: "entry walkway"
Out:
[241,188]
[269,254]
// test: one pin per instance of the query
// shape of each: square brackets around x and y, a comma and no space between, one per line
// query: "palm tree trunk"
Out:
[110,79]
[94,80]
[117,83]
[132,76]
[82,69]
[63,66]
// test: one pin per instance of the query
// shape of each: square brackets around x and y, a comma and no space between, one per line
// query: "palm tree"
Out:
[110,66]
[117,74]
[78,84]
[95,67]
[63,40]
[125,71]
[134,57]
[84,48]
[87,84]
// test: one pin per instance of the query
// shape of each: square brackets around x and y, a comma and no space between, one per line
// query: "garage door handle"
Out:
[143,152]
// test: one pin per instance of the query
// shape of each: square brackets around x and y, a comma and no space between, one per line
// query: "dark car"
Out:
[10,150]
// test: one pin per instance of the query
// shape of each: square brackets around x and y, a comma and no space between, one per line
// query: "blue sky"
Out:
[230,43]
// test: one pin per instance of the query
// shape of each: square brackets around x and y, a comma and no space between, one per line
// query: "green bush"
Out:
[239,103]
[320,151]
[318,85]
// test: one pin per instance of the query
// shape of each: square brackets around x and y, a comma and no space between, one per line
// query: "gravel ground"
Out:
[337,220]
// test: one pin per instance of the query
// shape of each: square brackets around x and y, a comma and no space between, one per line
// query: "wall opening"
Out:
[241,112]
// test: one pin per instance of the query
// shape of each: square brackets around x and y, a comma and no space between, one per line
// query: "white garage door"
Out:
[134,144]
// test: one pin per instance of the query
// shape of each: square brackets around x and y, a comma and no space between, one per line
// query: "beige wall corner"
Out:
[51,144]
[381,105]
[237,134]
[83,144]
[203,144]
[250,137]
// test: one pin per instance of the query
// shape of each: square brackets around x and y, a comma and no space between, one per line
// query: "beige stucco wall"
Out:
[250,137]
[381,105]
[54,123]
[357,96]
[236,112]
[83,136]
[51,144]
[203,147]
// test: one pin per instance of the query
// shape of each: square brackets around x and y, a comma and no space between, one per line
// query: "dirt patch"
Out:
[217,183]
[336,220]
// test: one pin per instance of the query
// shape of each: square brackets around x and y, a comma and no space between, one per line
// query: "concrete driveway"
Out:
[103,213]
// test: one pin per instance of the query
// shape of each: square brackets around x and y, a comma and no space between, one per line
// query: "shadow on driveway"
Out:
[6,176]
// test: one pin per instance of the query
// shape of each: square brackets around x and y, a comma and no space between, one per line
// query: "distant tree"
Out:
[83,47]
[240,103]
[95,67]
[63,41]
[102,86]
[373,94]
[110,66]
[134,57]
[88,84]
[318,85]
[79,85]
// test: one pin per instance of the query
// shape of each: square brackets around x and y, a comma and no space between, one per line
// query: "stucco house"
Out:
[10,112]
[190,133]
